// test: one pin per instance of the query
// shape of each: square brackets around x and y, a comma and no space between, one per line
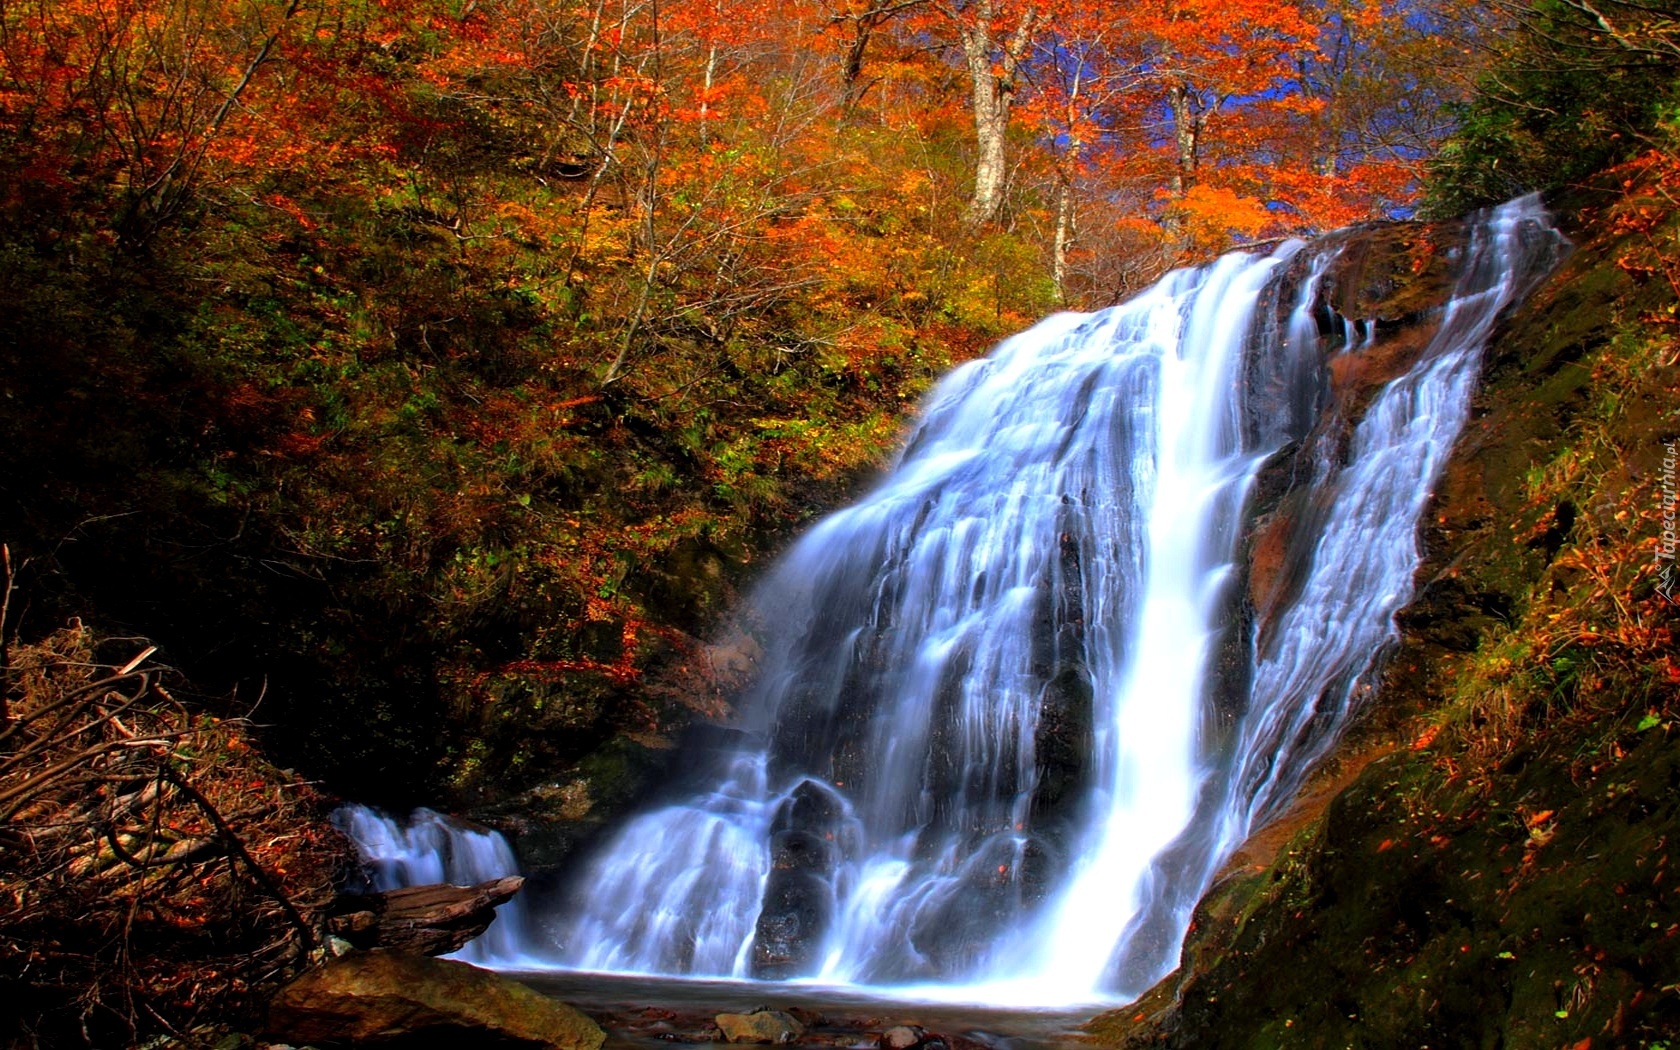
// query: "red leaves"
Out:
[290,207]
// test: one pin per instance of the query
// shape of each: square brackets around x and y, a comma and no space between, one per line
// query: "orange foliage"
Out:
[1214,216]
[165,95]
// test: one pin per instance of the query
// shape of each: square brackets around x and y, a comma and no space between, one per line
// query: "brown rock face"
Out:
[1380,309]
[902,1037]
[409,1002]
[1396,272]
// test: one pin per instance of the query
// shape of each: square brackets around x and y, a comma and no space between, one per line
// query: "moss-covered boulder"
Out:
[395,1001]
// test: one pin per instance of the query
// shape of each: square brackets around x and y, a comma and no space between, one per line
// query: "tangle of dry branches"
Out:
[154,869]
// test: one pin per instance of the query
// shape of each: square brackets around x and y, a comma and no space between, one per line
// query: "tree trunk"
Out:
[992,70]
[863,25]
[426,920]
[1064,239]
[706,94]
[1187,129]
[852,71]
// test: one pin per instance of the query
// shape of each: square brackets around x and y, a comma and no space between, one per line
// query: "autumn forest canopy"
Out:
[1164,130]
[436,368]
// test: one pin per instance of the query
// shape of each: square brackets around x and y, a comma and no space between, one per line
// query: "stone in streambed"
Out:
[760,1026]
[902,1037]
[394,1001]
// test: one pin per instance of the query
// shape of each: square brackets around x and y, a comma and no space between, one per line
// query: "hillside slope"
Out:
[1497,873]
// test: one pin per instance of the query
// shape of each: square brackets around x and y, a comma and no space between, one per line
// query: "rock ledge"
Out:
[392,1000]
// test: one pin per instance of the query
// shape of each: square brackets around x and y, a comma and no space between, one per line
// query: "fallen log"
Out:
[422,920]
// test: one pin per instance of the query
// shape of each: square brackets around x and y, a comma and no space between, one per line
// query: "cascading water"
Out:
[1019,704]
[430,848]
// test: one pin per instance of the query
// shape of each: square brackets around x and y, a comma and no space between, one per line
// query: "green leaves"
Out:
[1563,100]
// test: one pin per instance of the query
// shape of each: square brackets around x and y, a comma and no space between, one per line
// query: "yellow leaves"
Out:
[514,211]
[607,238]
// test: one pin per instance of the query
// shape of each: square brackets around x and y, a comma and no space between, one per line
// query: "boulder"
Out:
[392,1000]
[902,1037]
[795,913]
[806,843]
[760,1026]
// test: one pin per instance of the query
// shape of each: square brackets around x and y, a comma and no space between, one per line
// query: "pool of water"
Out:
[642,1012]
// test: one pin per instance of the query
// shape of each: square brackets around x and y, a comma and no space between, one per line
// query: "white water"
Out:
[1014,712]
[430,848]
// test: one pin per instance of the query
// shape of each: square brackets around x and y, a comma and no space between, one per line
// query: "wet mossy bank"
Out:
[1498,871]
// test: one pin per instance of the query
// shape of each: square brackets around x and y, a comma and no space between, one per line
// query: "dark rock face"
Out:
[805,842]
[797,907]
[409,1002]
[1062,738]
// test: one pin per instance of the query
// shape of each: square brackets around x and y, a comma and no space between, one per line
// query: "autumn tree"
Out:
[994,38]
[858,24]
[138,93]
[1570,87]
[737,99]
[1082,70]
[1375,97]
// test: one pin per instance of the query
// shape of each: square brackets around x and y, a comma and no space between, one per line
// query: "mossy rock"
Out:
[410,1002]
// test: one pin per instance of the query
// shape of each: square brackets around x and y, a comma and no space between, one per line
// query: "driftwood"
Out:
[423,920]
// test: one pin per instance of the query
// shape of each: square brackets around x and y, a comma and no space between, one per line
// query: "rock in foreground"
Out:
[760,1026]
[391,1000]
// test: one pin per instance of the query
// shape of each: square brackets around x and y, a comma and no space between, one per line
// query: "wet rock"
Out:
[805,844]
[760,1026]
[902,1037]
[1006,876]
[801,851]
[1063,743]
[811,807]
[397,1001]
[806,1016]
[1063,736]
[1394,273]
[797,907]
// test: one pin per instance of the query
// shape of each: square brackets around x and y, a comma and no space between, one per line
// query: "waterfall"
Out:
[430,848]
[1019,704]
